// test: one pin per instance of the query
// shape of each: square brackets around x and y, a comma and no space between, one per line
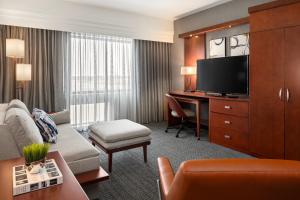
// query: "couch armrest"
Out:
[8,146]
[166,175]
[62,117]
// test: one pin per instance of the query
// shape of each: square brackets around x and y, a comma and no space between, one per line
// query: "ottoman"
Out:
[119,135]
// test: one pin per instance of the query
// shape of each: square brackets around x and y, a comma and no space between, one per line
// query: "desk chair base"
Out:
[183,125]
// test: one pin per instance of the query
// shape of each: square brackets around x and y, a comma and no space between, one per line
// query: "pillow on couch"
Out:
[46,125]
[16,103]
[23,128]
[62,117]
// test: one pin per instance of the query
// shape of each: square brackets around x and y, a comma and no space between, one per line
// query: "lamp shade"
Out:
[15,48]
[23,72]
[188,70]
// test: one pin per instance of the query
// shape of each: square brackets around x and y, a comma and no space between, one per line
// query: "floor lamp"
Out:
[15,48]
[23,73]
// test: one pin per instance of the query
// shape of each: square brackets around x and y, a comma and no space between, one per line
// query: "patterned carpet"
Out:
[132,179]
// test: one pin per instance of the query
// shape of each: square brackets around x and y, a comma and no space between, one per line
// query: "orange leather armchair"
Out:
[234,179]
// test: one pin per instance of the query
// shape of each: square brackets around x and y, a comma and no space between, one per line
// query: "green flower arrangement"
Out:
[35,152]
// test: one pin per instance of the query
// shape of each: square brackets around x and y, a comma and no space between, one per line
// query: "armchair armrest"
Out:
[62,117]
[166,175]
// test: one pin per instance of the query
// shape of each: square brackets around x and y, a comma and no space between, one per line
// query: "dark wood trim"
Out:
[197,95]
[111,151]
[222,26]
[271,5]
[93,176]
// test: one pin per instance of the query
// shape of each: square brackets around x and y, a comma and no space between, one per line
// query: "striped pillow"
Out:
[46,125]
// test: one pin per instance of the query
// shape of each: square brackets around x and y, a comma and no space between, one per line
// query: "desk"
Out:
[223,105]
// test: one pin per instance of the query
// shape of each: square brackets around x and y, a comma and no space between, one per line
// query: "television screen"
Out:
[227,75]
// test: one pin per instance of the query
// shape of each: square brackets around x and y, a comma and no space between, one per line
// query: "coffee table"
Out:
[70,189]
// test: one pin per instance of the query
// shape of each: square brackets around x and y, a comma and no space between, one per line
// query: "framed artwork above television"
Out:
[217,48]
[239,45]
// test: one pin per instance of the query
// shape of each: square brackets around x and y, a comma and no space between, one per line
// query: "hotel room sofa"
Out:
[79,154]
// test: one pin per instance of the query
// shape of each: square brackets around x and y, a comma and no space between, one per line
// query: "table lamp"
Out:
[23,73]
[188,72]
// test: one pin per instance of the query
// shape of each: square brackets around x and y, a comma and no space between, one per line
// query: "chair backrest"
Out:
[245,179]
[175,106]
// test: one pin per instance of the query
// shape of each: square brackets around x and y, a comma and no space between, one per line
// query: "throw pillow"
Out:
[46,125]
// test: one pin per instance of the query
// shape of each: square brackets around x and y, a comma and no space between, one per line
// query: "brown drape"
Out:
[45,51]
[152,63]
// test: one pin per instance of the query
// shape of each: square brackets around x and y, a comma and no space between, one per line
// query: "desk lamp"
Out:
[188,72]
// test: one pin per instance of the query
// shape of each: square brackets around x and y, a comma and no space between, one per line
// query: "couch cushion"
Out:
[3,107]
[72,145]
[119,144]
[23,128]
[119,130]
[16,103]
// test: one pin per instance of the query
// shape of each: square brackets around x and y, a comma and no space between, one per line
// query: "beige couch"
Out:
[17,129]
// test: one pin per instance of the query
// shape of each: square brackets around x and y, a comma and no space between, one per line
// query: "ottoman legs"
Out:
[110,156]
[145,153]
[111,151]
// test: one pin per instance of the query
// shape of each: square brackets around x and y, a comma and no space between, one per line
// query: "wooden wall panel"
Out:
[194,49]
[218,27]
[279,17]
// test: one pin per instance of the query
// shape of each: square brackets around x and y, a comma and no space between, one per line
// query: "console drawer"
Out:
[238,108]
[229,121]
[230,137]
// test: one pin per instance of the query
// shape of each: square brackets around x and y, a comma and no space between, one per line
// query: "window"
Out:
[101,77]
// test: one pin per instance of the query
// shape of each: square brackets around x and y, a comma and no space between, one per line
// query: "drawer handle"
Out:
[227,107]
[227,137]
[227,122]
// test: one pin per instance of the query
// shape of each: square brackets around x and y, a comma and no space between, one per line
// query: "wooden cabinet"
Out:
[228,124]
[266,87]
[275,80]
[292,93]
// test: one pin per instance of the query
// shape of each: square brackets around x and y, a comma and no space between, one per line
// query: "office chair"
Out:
[178,112]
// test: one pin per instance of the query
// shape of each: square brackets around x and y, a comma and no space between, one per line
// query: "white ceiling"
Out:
[165,9]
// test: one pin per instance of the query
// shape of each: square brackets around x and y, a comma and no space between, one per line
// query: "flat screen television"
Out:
[226,76]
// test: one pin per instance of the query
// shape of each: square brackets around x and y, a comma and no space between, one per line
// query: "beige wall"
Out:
[230,11]
[68,16]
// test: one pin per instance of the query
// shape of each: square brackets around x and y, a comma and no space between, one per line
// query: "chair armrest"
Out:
[166,175]
[62,117]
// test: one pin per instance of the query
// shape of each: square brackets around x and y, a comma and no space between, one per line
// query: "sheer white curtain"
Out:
[102,79]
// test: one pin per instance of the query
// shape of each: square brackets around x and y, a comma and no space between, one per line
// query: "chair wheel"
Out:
[177,136]
[166,130]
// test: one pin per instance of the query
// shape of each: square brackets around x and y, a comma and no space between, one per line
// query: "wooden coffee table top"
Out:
[70,189]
